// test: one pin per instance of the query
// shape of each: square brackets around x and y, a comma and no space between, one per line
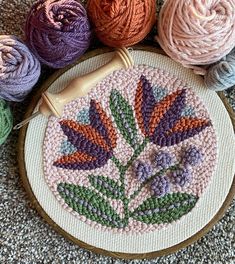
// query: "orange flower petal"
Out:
[77,157]
[186,123]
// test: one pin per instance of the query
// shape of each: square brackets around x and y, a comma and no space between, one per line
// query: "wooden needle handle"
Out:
[81,86]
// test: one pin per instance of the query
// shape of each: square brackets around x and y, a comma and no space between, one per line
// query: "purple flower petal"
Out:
[181,177]
[192,156]
[173,114]
[177,137]
[160,186]
[148,102]
[163,160]
[97,123]
[143,171]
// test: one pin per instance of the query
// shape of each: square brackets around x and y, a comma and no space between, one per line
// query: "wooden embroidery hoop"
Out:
[57,228]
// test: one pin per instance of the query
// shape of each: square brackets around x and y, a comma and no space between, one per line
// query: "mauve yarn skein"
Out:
[58,31]
[19,69]
[221,76]
[122,23]
[197,32]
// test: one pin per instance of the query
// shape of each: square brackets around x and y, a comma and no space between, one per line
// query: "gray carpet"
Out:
[24,235]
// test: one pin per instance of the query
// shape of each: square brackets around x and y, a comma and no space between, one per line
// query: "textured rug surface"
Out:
[24,235]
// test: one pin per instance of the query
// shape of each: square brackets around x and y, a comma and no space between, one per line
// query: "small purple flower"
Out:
[160,186]
[192,156]
[143,171]
[182,176]
[163,160]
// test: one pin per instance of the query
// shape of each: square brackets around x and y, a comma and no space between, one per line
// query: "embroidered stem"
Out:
[137,152]
[117,163]
[122,170]
[126,211]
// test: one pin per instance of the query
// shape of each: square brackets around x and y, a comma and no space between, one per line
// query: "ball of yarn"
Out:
[19,69]
[6,121]
[221,76]
[58,31]
[197,32]
[122,23]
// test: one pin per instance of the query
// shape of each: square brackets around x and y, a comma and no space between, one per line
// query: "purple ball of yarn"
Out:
[58,31]
[19,69]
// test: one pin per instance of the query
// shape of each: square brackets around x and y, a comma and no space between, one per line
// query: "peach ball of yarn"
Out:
[197,32]
[122,23]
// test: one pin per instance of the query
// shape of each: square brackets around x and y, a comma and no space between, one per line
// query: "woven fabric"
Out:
[134,155]
[88,230]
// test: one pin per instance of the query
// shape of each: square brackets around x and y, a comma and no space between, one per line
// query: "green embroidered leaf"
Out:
[90,204]
[124,117]
[106,186]
[166,209]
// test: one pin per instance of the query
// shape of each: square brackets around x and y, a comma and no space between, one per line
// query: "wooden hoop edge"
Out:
[58,229]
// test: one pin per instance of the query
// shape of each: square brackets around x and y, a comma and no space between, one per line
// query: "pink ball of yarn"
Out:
[197,32]
[58,31]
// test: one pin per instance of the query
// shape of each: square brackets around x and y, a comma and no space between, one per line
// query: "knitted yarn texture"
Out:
[6,121]
[197,32]
[19,69]
[130,157]
[221,76]
[58,31]
[122,23]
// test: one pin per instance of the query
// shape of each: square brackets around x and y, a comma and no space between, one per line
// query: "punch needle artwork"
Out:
[135,159]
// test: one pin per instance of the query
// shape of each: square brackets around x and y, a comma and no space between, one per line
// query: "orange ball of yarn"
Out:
[122,23]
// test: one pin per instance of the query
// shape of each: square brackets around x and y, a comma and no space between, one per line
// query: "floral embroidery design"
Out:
[94,142]
[164,120]
[161,121]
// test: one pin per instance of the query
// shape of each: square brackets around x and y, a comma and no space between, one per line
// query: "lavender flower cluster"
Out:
[169,171]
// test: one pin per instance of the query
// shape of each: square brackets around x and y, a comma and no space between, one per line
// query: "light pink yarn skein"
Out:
[197,32]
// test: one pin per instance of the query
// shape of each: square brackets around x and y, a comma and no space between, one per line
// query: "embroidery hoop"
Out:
[58,228]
